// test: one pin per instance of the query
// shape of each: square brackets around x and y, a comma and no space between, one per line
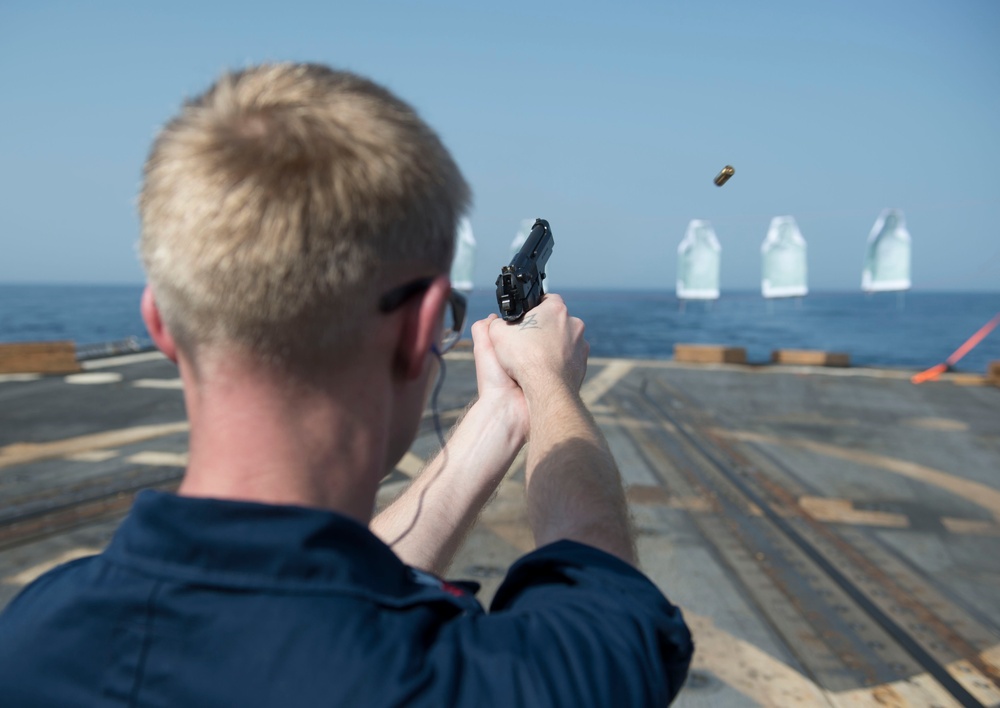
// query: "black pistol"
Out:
[519,287]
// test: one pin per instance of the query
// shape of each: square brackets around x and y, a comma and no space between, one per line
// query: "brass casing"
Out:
[727,172]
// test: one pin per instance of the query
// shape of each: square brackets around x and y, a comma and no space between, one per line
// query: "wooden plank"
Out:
[810,357]
[709,354]
[39,358]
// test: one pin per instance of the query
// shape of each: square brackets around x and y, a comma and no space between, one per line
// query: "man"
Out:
[297,228]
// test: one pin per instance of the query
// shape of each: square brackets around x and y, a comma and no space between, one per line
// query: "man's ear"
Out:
[421,330]
[158,331]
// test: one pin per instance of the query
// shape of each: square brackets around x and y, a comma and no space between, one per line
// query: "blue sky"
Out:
[610,121]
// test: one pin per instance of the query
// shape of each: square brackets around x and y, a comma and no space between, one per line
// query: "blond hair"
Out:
[272,202]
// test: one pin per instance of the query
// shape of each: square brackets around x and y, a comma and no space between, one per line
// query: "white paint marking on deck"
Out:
[946,424]
[19,377]
[30,574]
[121,360]
[100,377]
[842,511]
[92,456]
[770,682]
[918,690]
[21,453]
[975,682]
[749,670]
[410,465]
[973,491]
[159,383]
[991,655]
[970,527]
[159,459]
[968,380]
[593,390]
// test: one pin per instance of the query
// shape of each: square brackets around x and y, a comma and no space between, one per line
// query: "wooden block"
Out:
[810,357]
[709,354]
[993,373]
[38,358]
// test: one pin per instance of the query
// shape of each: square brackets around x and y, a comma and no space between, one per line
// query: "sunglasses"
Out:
[454,320]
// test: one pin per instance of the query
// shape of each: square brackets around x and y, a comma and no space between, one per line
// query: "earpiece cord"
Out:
[440,433]
[434,396]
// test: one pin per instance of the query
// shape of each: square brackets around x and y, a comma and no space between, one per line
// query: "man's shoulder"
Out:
[64,579]
[44,615]
[594,621]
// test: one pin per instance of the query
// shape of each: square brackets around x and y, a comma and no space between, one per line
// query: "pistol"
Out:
[519,287]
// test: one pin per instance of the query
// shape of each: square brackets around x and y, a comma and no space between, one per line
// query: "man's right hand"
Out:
[545,351]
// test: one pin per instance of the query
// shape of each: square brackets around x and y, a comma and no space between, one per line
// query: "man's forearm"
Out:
[426,525]
[574,488]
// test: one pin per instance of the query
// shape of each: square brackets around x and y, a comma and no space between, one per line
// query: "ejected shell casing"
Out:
[727,172]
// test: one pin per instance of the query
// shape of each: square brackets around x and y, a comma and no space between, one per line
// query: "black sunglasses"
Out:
[452,331]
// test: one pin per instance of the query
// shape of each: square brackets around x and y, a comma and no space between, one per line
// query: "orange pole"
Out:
[974,340]
[938,369]
[929,375]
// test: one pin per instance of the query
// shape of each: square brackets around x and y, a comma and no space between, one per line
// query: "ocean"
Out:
[914,330]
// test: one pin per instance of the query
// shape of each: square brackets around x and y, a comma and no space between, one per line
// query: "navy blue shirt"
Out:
[200,602]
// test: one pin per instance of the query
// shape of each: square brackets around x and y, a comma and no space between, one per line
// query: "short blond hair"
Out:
[272,203]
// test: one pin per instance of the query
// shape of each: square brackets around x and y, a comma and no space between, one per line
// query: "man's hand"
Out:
[545,350]
[496,387]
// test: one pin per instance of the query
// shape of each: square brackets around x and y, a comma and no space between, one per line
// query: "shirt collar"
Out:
[246,544]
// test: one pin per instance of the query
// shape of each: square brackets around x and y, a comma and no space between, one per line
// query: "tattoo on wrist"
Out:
[529,322]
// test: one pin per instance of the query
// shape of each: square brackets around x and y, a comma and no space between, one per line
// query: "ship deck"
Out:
[832,535]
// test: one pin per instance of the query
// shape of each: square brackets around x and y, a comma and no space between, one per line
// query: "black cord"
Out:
[440,433]
[434,396]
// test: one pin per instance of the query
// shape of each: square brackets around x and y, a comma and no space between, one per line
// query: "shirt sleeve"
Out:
[587,629]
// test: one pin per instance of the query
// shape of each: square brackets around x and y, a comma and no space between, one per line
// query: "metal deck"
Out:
[833,536]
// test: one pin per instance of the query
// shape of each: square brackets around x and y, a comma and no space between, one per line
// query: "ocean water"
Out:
[86,314]
[914,330]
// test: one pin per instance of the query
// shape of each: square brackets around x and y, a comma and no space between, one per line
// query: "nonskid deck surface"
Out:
[832,537]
